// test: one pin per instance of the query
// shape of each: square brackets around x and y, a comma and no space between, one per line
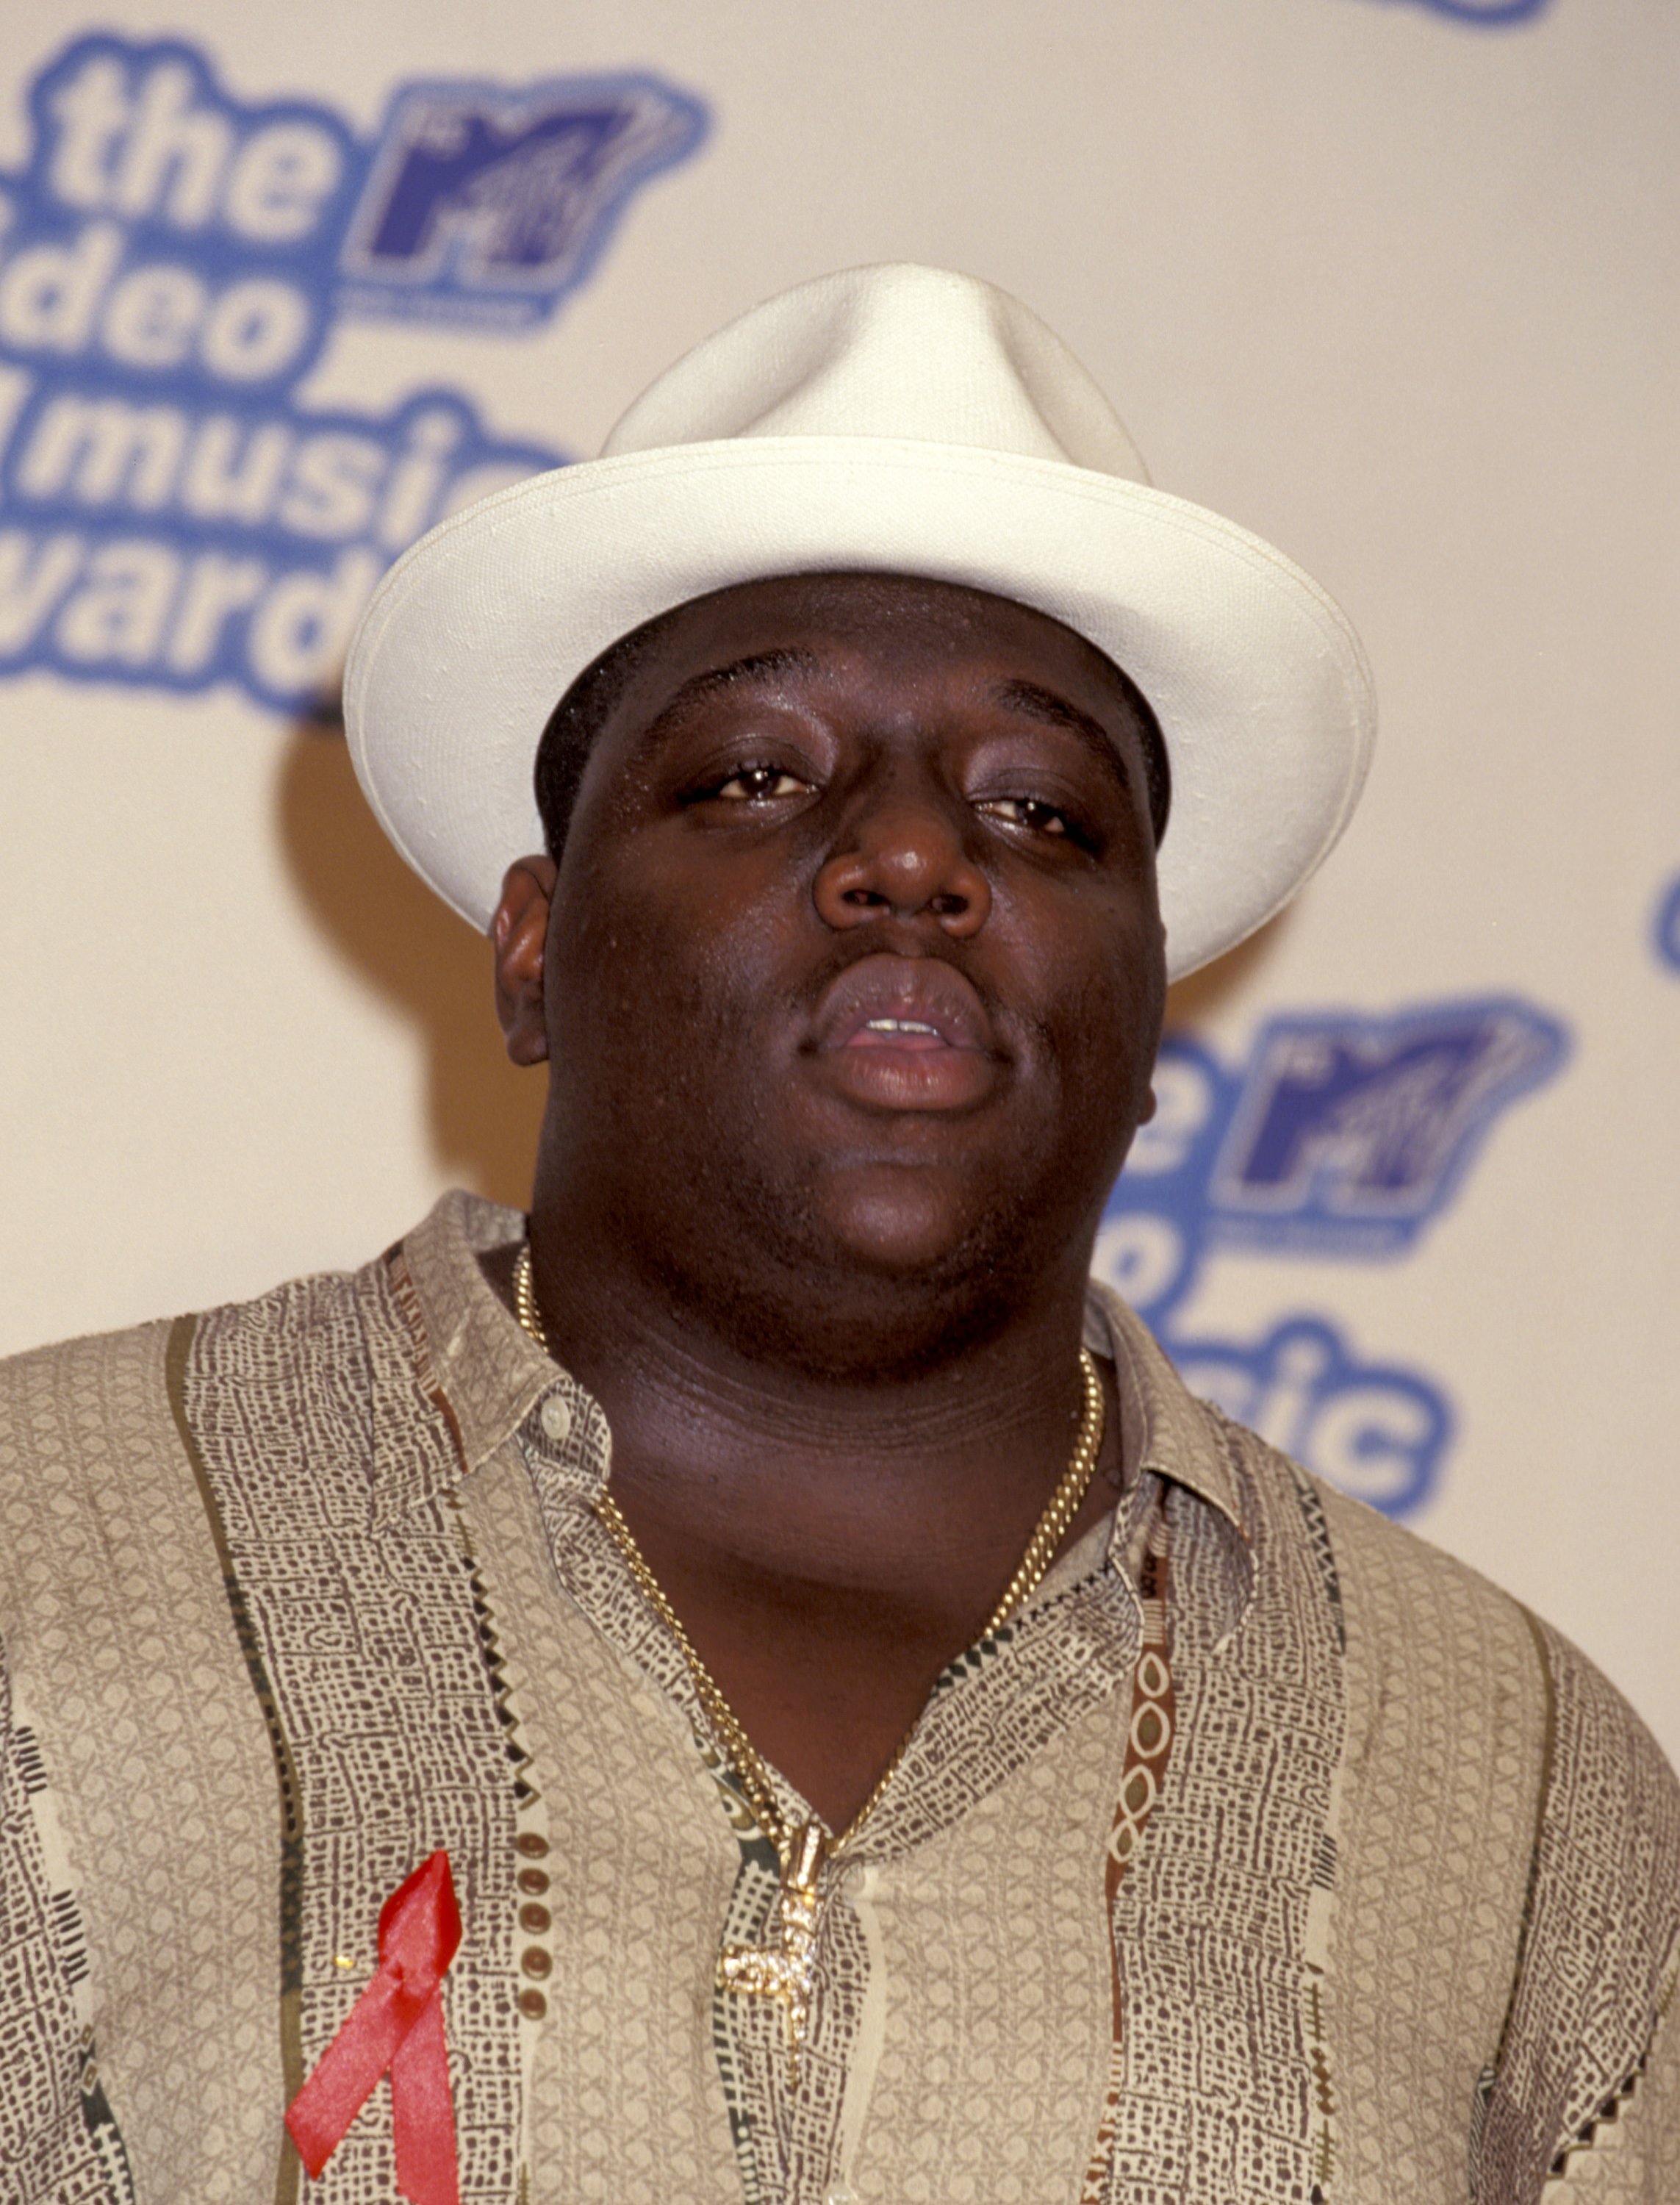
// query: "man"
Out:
[888,1741]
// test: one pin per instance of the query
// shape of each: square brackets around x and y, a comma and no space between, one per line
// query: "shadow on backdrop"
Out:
[482,1114]
[1198,997]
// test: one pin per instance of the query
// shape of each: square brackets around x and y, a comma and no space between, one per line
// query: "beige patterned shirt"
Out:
[1270,1856]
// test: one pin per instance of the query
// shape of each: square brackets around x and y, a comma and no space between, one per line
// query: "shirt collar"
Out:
[1167,1435]
[1165,1428]
[472,1362]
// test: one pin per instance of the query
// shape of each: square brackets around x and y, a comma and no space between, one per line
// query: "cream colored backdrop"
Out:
[1393,282]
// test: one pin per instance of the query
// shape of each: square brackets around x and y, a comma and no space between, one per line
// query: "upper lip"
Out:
[923,989]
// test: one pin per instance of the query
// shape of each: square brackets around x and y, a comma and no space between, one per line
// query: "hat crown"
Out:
[919,354]
[896,421]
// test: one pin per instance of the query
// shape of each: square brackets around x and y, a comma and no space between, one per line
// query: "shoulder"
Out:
[84,1402]
[1601,1934]
[101,1383]
[1606,1802]
[1499,1805]
[1566,1805]
[83,1419]
[311,1362]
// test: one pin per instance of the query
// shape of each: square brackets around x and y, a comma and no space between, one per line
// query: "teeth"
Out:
[901,1026]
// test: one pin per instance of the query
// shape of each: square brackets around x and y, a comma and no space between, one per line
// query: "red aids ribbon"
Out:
[395,2027]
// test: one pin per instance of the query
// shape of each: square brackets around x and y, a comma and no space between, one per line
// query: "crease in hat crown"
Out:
[898,419]
[894,351]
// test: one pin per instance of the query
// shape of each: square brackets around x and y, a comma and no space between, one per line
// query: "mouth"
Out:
[906,1033]
[898,1033]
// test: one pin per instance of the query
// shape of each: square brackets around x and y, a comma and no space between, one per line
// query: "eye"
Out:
[1031,813]
[758,784]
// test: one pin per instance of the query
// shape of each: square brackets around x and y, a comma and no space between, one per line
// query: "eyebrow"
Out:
[1044,704]
[762,666]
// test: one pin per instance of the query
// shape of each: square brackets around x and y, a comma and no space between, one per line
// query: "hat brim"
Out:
[1261,687]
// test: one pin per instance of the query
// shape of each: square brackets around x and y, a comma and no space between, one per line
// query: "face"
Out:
[854,968]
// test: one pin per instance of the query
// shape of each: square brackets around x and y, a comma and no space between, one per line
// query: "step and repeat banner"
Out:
[1391,281]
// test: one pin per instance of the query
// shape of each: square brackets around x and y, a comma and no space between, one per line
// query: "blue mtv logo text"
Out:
[481,195]
[1665,931]
[1342,1137]
[1352,1134]
[174,512]
[473,202]
[1486,12]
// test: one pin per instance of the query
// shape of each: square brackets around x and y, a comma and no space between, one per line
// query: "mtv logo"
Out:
[1350,1126]
[1340,1137]
[477,193]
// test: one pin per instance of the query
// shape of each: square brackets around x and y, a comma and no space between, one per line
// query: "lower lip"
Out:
[910,1072]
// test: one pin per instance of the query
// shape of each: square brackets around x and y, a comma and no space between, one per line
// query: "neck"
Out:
[816,1469]
[830,1538]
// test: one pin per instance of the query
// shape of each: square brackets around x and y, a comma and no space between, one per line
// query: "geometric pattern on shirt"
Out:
[116,1633]
[1311,1505]
[1218,1923]
[106,1529]
[1440,1782]
[44,2004]
[1326,2146]
[496,1660]
[999,1705]
[1604,1893]
[176,1362]
[1149,1736]
[982,2062]
[1633,2157]
[1605,2128]
[986,1718]
[623,2088]
[371,1649]
[532,1833]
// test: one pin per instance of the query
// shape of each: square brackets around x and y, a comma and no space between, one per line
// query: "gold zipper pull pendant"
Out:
[786,1971]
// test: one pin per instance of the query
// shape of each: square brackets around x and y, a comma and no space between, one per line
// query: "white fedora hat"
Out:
[900,420]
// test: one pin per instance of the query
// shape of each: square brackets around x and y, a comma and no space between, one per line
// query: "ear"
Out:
[519,932]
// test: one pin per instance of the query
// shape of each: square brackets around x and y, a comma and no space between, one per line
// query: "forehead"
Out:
[846,627]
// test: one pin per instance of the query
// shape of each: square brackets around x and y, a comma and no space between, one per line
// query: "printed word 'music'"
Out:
[229,581]
[324,478]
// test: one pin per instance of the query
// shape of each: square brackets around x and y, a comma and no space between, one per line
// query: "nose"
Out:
[902,857]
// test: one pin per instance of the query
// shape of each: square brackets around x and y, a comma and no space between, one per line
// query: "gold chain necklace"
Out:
[786,1972]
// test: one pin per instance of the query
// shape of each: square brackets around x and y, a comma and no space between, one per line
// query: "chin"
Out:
[869,1271]
[896,1230]
[910,1275]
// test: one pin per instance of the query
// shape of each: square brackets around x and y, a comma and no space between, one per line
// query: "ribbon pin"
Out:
[395,2027]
